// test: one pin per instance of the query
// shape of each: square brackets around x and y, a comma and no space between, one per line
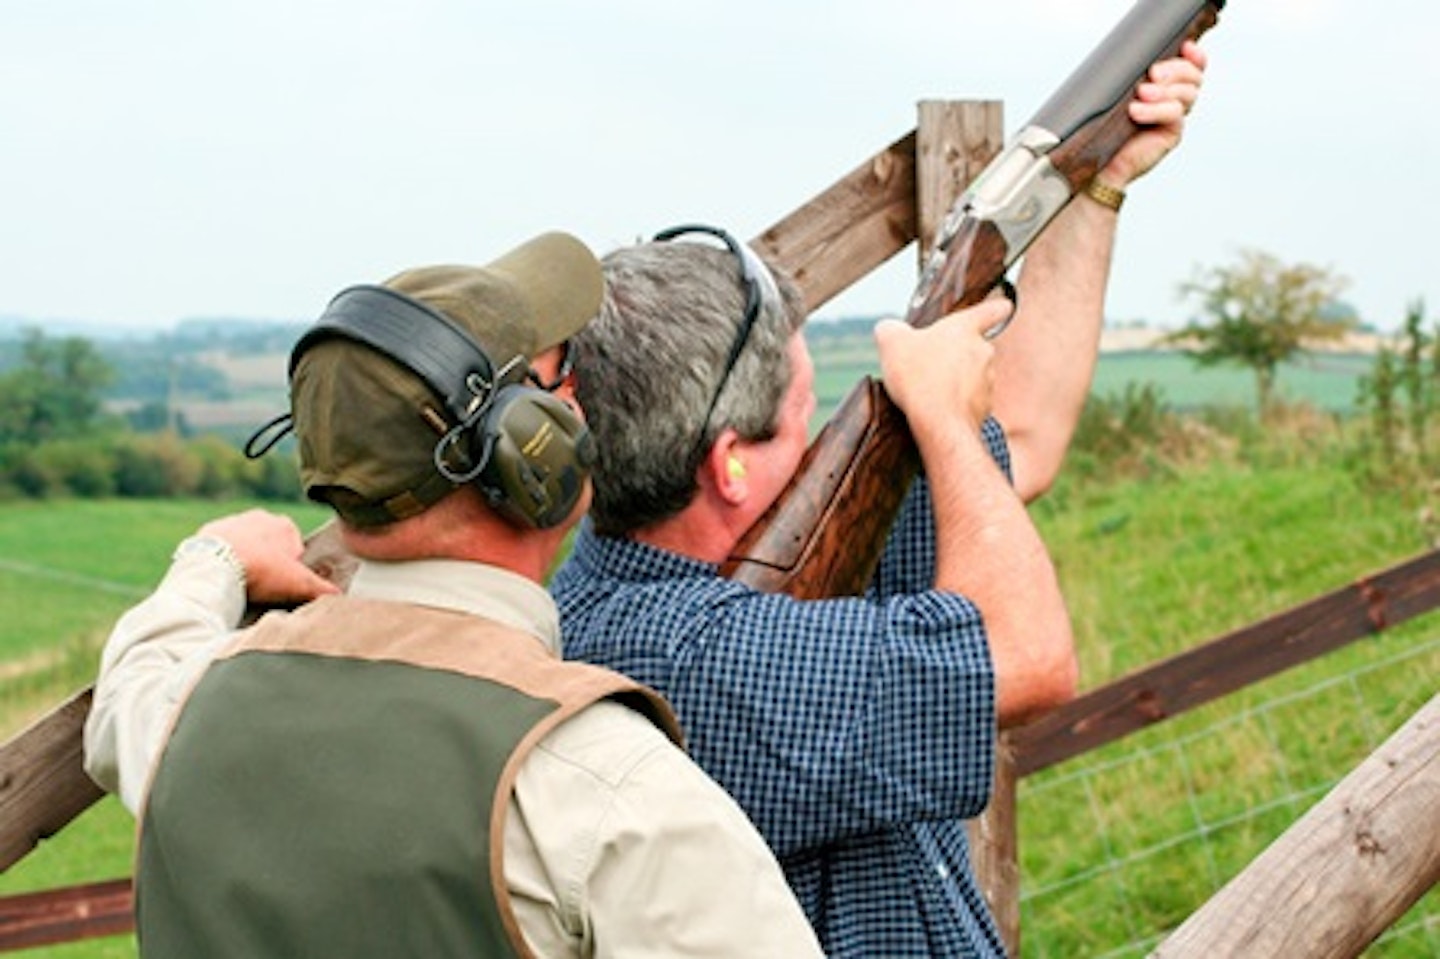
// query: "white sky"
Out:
[166,159]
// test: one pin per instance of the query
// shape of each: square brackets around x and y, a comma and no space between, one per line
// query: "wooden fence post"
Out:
[995,849]
[954,141]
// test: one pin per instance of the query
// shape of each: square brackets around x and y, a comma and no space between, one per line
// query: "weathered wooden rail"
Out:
[1344,872]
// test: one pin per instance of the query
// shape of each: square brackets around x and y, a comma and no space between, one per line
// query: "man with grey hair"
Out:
[857,733]
[410,769]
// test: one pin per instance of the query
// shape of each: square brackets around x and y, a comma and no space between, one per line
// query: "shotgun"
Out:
[824,535]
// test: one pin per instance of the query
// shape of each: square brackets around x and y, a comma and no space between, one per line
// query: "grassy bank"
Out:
[1123,843]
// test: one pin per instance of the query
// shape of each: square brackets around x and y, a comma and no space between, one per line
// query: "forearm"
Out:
[988,550]
[1045,359]
[907,566]
[153,655]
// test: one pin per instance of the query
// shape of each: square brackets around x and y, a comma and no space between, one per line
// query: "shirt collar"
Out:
[475,588]
[627,559]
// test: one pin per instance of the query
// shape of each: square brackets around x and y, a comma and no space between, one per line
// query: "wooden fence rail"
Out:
[1229,663]
[1344,872]
[42,784]
[66,915]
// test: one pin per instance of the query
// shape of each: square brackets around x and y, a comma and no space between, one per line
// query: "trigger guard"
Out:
[1013,295]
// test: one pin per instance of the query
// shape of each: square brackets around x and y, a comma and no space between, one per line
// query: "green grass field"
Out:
[1325,381]
[1123,843]
[67,571]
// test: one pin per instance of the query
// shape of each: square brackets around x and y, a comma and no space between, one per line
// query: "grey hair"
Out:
[647,368]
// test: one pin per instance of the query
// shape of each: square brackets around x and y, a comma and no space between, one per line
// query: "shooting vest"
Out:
[336,784]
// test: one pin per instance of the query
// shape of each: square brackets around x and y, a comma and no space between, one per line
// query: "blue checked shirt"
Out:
[857,733]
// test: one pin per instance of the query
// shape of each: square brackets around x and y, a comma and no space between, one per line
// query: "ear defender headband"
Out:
[525,450]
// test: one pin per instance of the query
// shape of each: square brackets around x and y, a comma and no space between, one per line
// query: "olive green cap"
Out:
[367,426]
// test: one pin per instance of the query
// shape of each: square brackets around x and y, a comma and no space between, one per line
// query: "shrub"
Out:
[83,467]
[156,465]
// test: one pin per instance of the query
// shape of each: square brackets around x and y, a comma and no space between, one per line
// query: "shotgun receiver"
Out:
[824,535]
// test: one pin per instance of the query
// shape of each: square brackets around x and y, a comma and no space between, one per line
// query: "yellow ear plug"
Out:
[735,468]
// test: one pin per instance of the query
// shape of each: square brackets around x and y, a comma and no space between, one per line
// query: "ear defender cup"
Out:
[527,451]
[540,454]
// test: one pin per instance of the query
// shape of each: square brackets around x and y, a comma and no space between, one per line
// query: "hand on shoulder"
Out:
[270,547]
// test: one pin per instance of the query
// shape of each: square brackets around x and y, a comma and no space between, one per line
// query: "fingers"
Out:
[270,547]
[291,583]
[1169,83]
[892,336]
[1160,105]
[1189,66]
[1166,112]
[943,370]
[258,535]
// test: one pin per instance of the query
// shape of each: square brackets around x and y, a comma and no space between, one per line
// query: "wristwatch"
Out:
[215,548]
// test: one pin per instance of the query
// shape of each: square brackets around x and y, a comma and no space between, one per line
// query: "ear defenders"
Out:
[525,449]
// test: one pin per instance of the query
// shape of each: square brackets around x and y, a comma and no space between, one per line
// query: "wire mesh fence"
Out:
[1120,845]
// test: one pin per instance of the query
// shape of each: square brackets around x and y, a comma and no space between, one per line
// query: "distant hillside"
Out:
[1129,339]
[227,375]
[13,327]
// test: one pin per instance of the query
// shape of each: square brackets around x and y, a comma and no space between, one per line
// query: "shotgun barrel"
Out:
[824,535]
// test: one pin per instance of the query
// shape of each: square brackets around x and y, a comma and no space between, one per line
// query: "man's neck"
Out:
[456,528]
[699,532]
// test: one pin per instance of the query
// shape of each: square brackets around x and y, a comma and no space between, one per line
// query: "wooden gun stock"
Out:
[824,535]
[831,524]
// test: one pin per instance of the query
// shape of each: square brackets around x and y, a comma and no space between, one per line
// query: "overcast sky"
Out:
[167,159]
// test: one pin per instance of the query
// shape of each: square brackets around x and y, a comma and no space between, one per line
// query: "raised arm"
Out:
[1045,360]
[987,549]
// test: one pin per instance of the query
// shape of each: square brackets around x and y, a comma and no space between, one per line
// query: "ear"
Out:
[725,470]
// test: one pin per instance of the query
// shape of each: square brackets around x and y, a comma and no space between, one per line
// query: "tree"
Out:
[55,392]
[1260,313]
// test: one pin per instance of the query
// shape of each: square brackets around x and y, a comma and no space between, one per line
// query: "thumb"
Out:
[290,583]
[889,328]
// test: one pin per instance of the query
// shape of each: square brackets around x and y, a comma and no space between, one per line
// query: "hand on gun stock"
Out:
[942,375]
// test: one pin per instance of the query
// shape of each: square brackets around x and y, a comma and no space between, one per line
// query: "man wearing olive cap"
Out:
[409,769]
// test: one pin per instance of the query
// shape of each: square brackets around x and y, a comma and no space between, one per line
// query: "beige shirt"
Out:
[616,844]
